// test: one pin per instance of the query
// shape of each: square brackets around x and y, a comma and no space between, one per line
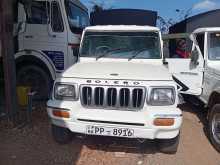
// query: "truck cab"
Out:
[47,36]
[120,87]
[199,75]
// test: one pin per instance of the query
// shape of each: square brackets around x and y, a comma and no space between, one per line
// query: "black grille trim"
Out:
[112,97]
[110,122]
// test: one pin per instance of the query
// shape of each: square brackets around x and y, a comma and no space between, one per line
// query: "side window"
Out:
[77,17]
[176,47]
[56,18]
[200,41]
[38,13]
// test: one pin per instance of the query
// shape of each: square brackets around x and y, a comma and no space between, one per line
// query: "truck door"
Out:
[188,72]
[46,34]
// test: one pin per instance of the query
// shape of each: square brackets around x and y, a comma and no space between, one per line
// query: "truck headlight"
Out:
[65,92]
[162,96]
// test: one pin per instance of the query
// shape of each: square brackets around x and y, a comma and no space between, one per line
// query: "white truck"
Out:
[120,87]
[200,76]
[47,37]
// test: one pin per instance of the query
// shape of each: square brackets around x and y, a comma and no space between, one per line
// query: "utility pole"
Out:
[7,50]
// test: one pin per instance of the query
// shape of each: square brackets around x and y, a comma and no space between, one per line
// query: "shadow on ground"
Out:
[199,111]
[112,144]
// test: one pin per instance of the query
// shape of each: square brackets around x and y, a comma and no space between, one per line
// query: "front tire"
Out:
[214,127]
[169,146]
[61,135]
[37,78]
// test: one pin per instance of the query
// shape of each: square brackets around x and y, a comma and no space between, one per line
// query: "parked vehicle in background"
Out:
[200,76]
[119,87]
[47,39]
[124,17]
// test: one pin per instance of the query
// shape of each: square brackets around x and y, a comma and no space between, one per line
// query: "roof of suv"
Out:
[207,29]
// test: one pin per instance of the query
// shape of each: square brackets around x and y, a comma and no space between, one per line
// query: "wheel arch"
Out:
[214,99]
[36,58]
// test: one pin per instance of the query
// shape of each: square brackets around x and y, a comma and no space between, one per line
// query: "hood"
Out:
[118,70]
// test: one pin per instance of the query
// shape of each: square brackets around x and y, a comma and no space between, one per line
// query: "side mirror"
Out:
[195,57]
[20,26]
[76,51]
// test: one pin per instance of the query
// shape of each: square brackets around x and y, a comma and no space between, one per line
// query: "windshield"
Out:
[214,46]
[126,45]
[77,17]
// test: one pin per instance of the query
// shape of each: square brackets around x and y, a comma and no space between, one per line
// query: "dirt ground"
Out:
[35,146]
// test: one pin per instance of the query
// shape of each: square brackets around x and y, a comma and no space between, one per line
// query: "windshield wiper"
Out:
[136,54]
[110,51]
[102,55]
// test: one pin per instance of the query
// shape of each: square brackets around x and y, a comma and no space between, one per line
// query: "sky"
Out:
[165,8]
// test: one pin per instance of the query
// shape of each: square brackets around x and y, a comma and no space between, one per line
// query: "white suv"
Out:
[119,87]
[200,76]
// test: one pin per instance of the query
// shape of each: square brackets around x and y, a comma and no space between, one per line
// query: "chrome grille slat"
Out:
[112,97]
[93,96]
[117,98]
[105,96]
[131,99]
[136,99]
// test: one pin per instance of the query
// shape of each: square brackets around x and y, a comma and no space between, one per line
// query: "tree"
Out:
[164,24]
[7,45]
[184,14]
[98,6]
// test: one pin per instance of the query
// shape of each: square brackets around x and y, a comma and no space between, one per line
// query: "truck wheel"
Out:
[38,79]
[214,127]
[61,135]
[168,146]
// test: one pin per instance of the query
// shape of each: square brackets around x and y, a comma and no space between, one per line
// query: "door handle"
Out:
[29,36]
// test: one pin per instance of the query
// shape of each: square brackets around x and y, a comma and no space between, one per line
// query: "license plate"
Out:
[109,131]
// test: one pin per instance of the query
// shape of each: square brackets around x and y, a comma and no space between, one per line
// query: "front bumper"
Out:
[140,121]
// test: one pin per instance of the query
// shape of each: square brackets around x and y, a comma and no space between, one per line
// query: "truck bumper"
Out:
[141,122]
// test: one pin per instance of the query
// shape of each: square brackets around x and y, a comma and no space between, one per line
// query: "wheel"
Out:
[38,79]
[61,135]
[214,127]
[169,146]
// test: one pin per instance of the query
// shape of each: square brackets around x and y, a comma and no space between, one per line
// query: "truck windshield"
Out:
[77,17]
[214,46]
[126,45]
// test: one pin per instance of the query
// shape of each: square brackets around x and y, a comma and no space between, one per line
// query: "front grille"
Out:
[129,98]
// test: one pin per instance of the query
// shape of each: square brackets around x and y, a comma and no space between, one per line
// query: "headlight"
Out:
[162,96]
[65,92]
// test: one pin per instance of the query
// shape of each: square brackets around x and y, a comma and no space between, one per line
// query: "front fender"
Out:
[216,89]
[40,56]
